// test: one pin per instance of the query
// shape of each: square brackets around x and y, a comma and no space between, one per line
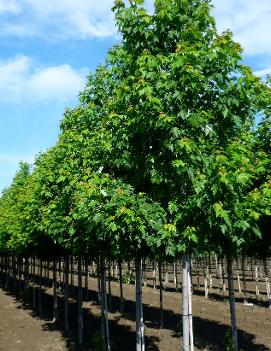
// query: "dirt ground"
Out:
[21,329]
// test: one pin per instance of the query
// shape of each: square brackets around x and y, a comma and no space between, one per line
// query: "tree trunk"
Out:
[210,272]
[154,274]
[66,293]
[232,306]
[238,276]
[80,311]
[71,275]
[121,287]
[206,275]
[109,286]
[55,317]
[86,279]
[185,303]
[190,306]
[140,341]
[40,288]
[267,284]
[99,279]
[34,284]
[257,290]
[104,311]
[244,281]
[175,275]
[26,273]
[144,266]
[19,269]
[161,295]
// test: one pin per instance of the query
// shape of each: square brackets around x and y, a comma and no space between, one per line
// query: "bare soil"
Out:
[23,330]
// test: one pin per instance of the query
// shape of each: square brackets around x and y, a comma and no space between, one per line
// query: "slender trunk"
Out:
[154,274]
[161,295]
[109,286]
[206,274]
[66,293]
[104,310]
[34,285]
[210,272]
[140,341]
[198,273]
[26,273]
[165,271]
[190,306]
[257,290]
[238,276]
[99,279]
[267,284]
[19,268]
[244,281]
[232,306]
[14,273]
[72,275]
[40,288]
[144,275]
[129,272]
[121,287]
[80,311]
[185,303]
[86,279]
[223,276]
[55,317]
[251,268]
[216,266]
[176,275]
[101,293]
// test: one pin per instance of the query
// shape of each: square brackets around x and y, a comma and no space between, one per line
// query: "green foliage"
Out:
[160,156]
[98,343]
[180,328]
[228,341]
[26,296]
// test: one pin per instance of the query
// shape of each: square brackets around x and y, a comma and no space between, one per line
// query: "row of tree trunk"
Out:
[17,272]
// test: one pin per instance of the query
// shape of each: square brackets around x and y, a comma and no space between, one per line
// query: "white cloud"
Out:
[249,21]
[59,19]
[22,80]
[263,72]
[82,19]
[9,6]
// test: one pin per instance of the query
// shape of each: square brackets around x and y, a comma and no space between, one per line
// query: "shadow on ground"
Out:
[206,333]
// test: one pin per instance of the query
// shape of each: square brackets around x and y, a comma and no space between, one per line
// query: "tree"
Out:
[170,94]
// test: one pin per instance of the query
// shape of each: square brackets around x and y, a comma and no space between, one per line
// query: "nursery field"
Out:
[146,226]
[22,329]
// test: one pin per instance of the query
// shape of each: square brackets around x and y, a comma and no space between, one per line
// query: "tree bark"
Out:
[257,290]
[80,311]
[55,317]
[185,303]
[121,287]
[140,340]
[232,306]
[190,306]
[40,288]
[104,310]
[267,284]
[86,279]
[244,281]
[161,295]
[66,293]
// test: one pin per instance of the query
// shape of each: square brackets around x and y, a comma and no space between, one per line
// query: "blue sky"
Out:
[48,47]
